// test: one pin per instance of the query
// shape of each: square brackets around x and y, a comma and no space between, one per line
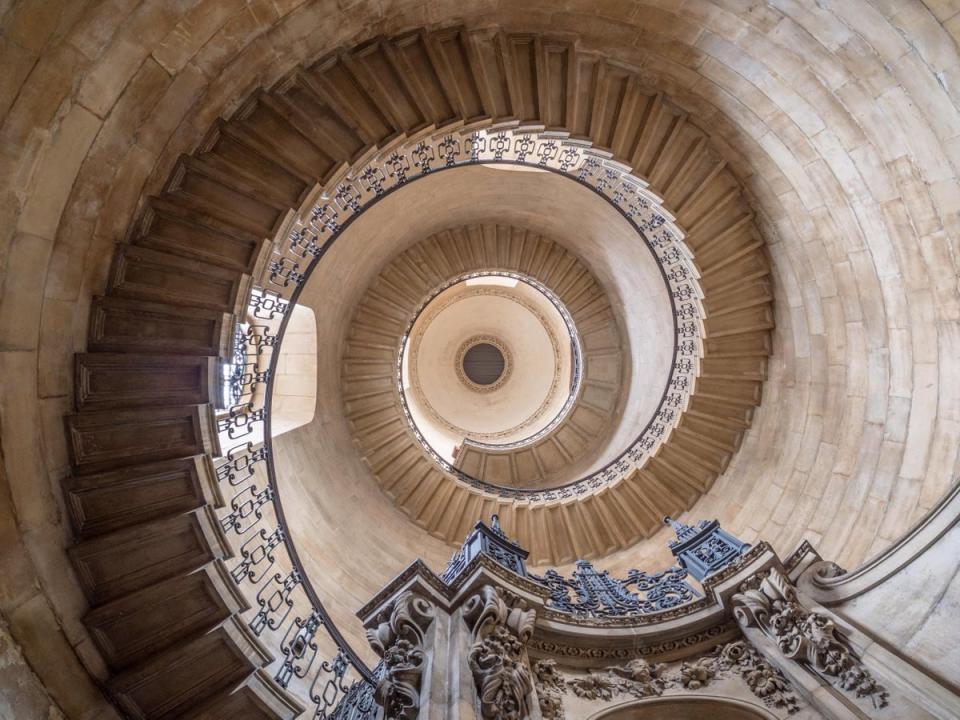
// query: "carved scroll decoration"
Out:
[502,625]
[398,639]
[804,636]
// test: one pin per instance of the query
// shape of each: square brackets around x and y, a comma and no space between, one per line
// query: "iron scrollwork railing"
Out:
[313,661]
[592,593]
[244,374]
[329,687]
[359,702]
[246,509]
[283,613]
[396,167]
[256,552]
[342,686]
[313,231]
[240,462]
[587,593]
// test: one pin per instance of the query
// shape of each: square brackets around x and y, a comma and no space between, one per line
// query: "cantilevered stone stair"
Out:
[142,497]
[369,364]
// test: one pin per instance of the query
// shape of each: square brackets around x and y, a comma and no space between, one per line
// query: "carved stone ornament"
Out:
[764,680]
[550,687]
[640,679]
[803,635]
[398,639]
[502,625]
[707,637]
[637,678]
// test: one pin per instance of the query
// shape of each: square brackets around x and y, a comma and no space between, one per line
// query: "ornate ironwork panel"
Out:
[359,702]
[299,649]
[245,509]
[589,592]
[329,686]
[705,548]
[256,556]
[240,463]
[274,602]
[240,420]
[491,541]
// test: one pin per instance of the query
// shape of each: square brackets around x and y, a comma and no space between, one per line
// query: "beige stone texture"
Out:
[295,383]
[841,120]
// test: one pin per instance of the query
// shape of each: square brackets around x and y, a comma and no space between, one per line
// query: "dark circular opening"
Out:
[483,364]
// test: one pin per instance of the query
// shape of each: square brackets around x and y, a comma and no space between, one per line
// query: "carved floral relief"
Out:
[550,687]
[502,625]
[804,636]
[642,679]
[398,639]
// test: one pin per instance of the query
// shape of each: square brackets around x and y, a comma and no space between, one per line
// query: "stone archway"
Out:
[686,707]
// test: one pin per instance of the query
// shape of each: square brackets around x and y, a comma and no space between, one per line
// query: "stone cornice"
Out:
[663,650]
[687,627]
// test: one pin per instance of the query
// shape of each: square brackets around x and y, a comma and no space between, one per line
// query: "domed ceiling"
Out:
[641,430]
[553,408]
[819,138]
[491,362]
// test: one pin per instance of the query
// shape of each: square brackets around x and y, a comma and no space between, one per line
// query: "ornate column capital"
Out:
[501,626]
[398,639]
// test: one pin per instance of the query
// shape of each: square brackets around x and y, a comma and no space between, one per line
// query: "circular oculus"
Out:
[483,363]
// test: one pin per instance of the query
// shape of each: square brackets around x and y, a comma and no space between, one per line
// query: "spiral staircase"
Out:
[151,498]
[369,365]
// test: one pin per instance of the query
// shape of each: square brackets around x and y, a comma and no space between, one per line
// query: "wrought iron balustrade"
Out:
[313,660]
[591,593]
[312,232]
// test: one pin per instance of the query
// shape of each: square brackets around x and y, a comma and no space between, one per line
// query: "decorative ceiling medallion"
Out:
[481,342]
[420,322]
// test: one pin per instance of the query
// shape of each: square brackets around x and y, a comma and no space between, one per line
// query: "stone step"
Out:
[109,439]
[107,501]
[139,273]
[134,627]
[120,380]
[177,680]
[258,697]
[121,562]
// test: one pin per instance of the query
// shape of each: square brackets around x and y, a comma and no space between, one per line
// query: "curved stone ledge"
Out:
[667,634]
[830,585]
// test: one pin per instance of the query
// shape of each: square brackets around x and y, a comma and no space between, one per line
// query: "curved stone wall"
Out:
[841,120]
